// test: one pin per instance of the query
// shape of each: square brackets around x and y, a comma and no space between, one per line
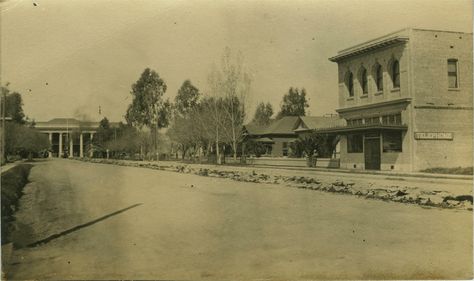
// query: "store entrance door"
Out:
[372,153]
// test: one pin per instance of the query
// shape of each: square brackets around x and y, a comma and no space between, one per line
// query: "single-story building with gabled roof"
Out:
[278,135]
[315,123]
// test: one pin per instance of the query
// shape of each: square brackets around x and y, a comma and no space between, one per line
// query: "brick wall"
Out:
[444,153]
[432,98]
[430,52]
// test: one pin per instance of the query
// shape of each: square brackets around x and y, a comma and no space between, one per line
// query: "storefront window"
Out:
[355,143]
[392,141]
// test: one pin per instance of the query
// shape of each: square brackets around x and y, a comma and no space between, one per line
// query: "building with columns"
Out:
[68,136]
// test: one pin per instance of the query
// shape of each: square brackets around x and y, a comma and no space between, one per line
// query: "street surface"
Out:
[115,222]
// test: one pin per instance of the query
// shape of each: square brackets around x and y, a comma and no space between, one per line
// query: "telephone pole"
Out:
[3,101]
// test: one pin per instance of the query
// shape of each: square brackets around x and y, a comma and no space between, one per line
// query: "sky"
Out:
[67,58]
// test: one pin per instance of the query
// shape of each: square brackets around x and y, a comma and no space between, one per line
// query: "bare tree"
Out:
[230,86]
[215,88]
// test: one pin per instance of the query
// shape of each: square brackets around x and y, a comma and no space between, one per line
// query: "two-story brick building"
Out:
[407,101]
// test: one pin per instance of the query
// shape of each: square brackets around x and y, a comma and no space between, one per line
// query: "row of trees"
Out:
[198,123]
[205,123]
[21,139]
[125,140]
[294,103]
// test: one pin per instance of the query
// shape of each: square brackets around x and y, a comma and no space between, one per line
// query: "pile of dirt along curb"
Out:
[13,181]
[440,199]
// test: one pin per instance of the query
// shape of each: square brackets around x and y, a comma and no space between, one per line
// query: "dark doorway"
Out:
[372,153]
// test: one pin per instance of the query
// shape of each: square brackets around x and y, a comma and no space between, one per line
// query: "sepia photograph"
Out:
[236,140]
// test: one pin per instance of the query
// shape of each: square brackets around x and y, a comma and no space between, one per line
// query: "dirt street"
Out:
[92,221]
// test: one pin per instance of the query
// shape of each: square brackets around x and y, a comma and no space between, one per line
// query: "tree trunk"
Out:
[235,150]
[200,154]
[218,158]
[156,142]
[223,154]
[234,139]
[209,151]
[309,161]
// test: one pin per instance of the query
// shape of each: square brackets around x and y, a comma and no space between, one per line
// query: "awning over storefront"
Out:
[363,127]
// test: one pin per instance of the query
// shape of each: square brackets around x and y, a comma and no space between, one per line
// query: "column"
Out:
[91,152]
[60,152]
[50,154]
[70,146]
[81,148]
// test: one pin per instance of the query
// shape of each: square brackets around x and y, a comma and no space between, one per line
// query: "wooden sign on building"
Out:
[433,136]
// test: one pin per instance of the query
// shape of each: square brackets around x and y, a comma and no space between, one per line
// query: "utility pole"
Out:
[156,142]
[3,101]
[67,136]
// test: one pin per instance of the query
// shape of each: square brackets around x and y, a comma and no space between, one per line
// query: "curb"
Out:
[363,172]
[9,166]
[7,251]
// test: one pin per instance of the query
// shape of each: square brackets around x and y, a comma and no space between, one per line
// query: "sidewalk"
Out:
[368,172]
[8,166]
[454,184]
[328,171]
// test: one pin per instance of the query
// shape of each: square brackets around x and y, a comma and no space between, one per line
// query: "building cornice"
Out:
[369,46]
[374,105]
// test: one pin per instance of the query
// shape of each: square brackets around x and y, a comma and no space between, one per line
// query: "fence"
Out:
[292,162]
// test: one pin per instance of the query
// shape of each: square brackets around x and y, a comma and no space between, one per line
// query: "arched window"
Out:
[396,74]
[379,77]
[363,81]
[350,84]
